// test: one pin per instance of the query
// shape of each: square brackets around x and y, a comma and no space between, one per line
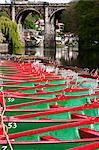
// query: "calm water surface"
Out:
[69,57]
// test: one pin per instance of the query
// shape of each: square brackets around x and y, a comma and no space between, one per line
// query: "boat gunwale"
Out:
[50,142]
[11,119]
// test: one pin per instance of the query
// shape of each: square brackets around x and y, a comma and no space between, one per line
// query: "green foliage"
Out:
[69,18]
[82,18]
[35,17]
[88,24]
[30,20]
[3,13]
[28,24]
[9,29]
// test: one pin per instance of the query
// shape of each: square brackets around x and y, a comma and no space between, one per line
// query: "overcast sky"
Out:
[55,1]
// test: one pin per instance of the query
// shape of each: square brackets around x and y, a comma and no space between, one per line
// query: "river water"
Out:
[69,57]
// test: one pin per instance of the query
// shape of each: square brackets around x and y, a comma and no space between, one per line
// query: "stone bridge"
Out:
[18,13]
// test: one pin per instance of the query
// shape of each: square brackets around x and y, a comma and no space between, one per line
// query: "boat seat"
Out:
[79,116]
[40,91]
[49,138]
[35,84]
[58,95]
[45,119]
[55,106]
[88,133]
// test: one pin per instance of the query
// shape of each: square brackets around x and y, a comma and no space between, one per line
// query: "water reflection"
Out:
[60,52]
[68,56]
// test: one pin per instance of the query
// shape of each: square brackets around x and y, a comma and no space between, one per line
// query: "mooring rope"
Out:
[5,128]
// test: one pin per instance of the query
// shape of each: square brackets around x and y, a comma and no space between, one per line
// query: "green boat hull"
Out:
[57,116]
[45,146]
[57,130]
[43,104]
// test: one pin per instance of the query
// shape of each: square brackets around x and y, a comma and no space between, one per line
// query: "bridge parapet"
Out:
[58,4]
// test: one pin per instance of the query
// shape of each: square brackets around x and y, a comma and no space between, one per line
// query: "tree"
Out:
[70,19]
[88,29]
[9,29]
[30,20]
[3,13]
[82,18]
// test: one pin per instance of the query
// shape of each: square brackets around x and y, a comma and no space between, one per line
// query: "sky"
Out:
[53,1]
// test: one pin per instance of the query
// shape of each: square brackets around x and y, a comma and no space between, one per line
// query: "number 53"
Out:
[12,125]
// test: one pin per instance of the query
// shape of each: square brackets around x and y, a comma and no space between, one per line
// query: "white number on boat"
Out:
[4,148]
[12,125]
[11,99]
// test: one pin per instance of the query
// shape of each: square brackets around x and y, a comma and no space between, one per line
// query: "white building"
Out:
[40,24]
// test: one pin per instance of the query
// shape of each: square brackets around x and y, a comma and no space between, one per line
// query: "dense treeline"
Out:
[82,18]
[10,31]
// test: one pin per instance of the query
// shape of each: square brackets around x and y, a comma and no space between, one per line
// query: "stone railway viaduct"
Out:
[18,13]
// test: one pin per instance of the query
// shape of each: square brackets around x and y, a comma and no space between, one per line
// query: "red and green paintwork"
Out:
[45,115]
[53,132]
[55,112]
[47,145]
[36,103]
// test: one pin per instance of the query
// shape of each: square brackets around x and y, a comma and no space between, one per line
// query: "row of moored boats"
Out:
[41,109]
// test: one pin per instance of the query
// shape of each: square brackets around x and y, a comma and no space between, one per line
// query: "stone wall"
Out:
[3,47]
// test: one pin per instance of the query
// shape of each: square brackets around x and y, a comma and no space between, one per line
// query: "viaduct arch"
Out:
[18,12]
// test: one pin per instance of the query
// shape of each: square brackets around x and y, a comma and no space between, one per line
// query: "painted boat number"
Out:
[11,99]
[12,125]
[4,148]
